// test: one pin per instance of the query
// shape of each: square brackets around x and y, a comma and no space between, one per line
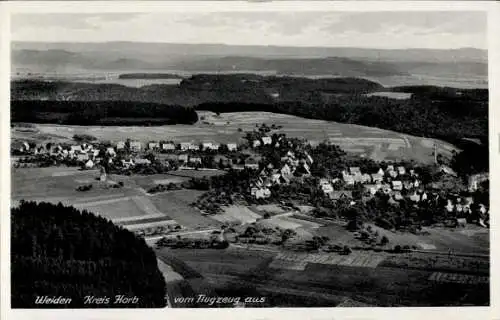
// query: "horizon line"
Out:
[244,45]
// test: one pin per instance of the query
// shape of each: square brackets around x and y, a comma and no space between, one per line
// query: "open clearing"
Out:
[224,129]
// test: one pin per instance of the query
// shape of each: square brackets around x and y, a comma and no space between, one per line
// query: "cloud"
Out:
[355,29]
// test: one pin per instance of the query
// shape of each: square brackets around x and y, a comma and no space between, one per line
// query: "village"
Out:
[398,183]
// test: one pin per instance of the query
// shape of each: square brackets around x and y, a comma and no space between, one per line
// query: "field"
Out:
[176,204]
[370,142]
[237,214]
[331,278]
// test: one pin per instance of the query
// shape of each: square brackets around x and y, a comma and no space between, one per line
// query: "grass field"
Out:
[176,205]
[370,142]
[236,214]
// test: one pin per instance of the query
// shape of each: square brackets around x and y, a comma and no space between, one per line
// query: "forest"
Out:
[118,113]
[58,250]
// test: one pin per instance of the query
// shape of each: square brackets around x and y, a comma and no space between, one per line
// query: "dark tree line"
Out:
[100,113]
[61,251]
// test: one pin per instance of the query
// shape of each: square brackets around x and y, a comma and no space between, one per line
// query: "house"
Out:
[110,151]
[372,188]
[393,173]
[416,183]
[82,157]
[183,158]
[256,143]
[26,146]
[424,196]
[120,145]
[401,170]
[153,146]
[290,154]
[408,185]
[267,140]
[449,206]
[285,170]
[342,194]
[232,146]
[135,146]
[215,146]
[206,146]
[89,164]
[262,193]
[377,177]
[194,147]
[415,197]
[275,178]
[398,196]
[95,153]
[128,163]
[380,172]
[389,168]
[168,146]
[348,179]
[386,189]
[327,188]
[366,178]
[75,149]
[355,170]
[185,146]
[412,173]
[397,185]
[142,161]
[253,191]
[196,160]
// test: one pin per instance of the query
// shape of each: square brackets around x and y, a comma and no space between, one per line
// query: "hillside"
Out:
[444,113]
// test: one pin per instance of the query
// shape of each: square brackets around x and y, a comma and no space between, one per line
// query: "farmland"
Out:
[329,278]
[367,141]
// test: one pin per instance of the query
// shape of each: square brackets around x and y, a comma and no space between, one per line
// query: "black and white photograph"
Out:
[249,159]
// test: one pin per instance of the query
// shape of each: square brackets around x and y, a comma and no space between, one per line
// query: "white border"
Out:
[466,313]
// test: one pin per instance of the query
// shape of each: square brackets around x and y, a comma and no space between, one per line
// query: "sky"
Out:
[385,30]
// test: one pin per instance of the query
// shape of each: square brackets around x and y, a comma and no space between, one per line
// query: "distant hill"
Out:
[346,62]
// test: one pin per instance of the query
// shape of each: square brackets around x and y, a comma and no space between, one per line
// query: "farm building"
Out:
[153,146]
[232,146]
[267,140]
[168,146]
[397,185]
[195,160]
[342,194]
[135,146]
[185,146]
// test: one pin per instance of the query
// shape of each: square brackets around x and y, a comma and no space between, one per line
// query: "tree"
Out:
[384,241]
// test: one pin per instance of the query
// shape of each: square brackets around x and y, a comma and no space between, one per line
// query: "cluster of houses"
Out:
[399,183]
[89,155]
[292,165]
